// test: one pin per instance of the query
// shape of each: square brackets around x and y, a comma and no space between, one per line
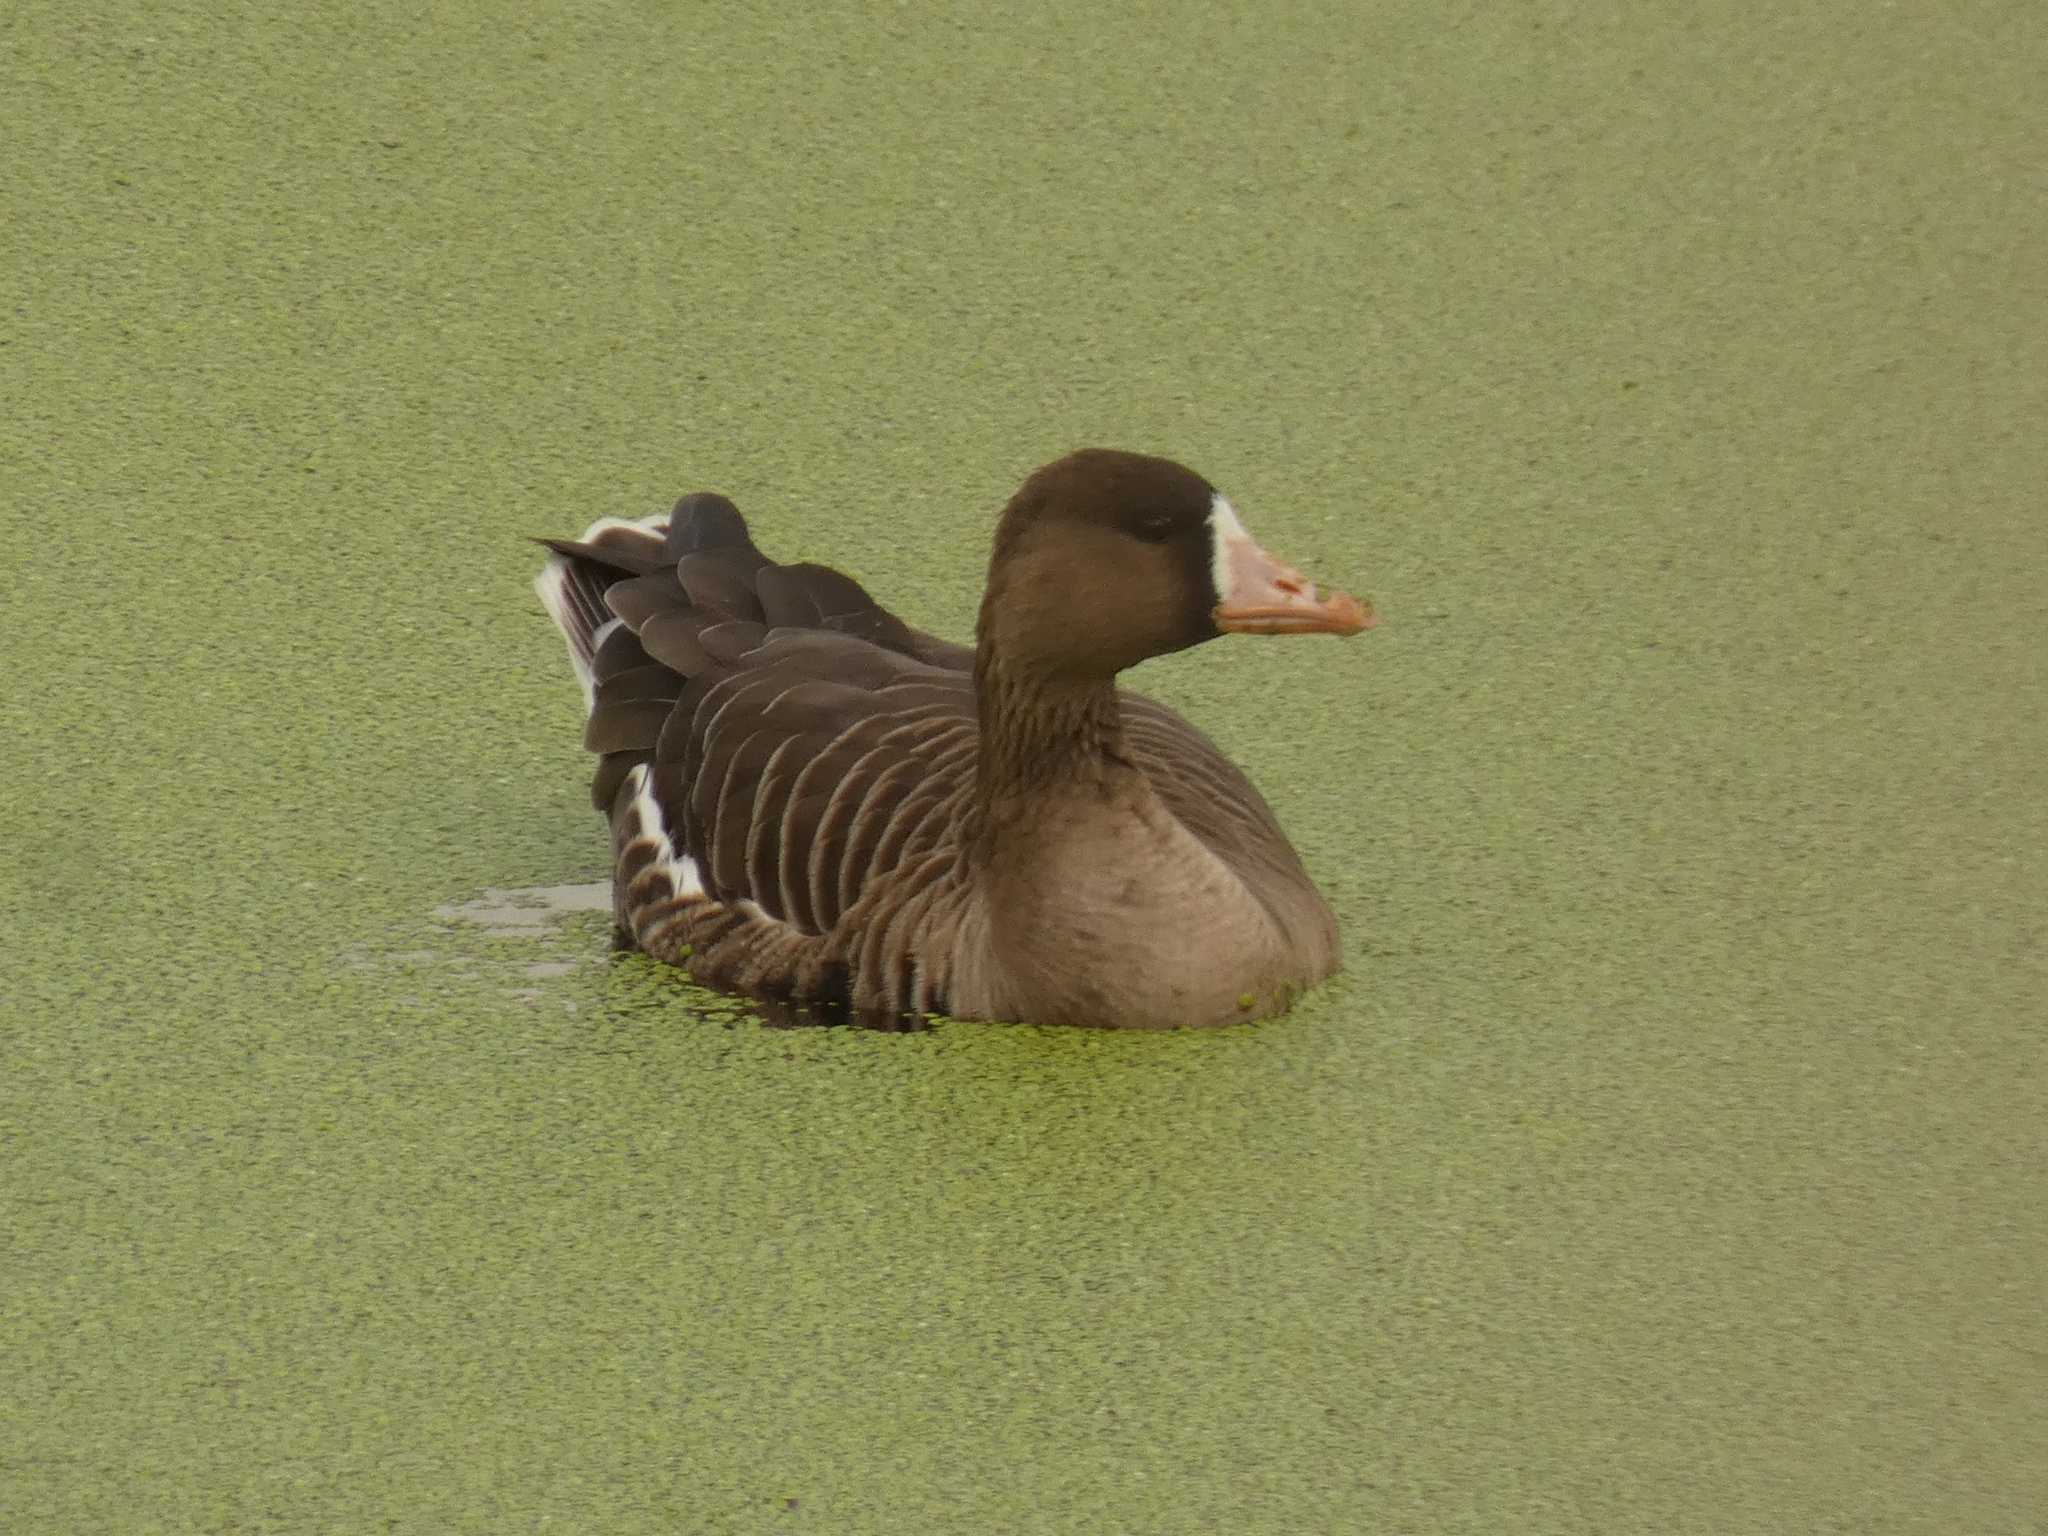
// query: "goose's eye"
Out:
[1156,528]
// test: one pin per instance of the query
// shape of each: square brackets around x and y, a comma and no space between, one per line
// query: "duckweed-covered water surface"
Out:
[1666,1157]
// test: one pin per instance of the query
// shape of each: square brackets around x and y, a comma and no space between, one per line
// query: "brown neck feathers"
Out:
[1039,732]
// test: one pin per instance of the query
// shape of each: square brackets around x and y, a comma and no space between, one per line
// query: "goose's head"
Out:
[1104,558]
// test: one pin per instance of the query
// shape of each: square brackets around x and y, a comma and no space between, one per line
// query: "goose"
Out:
[819,807]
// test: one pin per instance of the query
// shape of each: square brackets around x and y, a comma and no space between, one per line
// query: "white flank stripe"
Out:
[681,871]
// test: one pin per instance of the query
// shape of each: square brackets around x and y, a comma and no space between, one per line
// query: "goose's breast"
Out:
[1126,920]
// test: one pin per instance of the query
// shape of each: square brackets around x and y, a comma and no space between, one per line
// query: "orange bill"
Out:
[1266,596]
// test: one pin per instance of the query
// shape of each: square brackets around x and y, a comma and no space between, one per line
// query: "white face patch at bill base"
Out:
[1224,531]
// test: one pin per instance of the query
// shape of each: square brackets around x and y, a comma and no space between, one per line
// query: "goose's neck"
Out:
[1041,733]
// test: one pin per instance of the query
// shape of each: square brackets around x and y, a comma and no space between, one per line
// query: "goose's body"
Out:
[813,803]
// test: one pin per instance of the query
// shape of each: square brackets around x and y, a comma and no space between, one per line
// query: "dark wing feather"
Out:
[720,581]
[617,653]
[818,597]
[704,521]
[649,680]
[625,724]
[639,598]
[670,637]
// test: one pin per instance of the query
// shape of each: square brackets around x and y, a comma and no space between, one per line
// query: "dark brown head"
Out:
[1104,558]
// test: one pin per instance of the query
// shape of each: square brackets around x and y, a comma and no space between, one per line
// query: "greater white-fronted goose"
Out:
[813,803]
